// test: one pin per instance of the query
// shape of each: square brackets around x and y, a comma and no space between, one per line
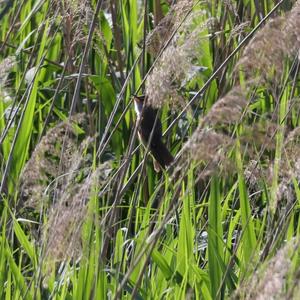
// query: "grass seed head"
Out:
[176,62]
[163,31]
[279,38]
[62,234]
[52,157]
[209,149]
[289,167]
[269,280]
[228,109]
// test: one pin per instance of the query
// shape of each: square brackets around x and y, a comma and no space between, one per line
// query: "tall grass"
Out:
[84,215]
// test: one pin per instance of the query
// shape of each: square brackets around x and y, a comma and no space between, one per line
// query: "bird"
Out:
[146,116]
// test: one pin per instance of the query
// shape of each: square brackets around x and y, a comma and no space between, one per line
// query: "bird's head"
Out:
[138,103]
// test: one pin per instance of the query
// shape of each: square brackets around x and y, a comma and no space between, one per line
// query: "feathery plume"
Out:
[62,235]
[268,282]
[259,137]
[52,157]
[228,109]
[163,31]
[175,65]
[289,167]
[279,38]
[209,149]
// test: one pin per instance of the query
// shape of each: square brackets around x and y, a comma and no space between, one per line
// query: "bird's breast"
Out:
[138,107]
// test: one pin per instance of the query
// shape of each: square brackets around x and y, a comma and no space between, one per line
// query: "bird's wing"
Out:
[147,123]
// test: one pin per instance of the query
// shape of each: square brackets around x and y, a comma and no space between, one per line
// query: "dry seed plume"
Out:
[206,143]
[175,65]
[52,157]
[259,137]
[209,146]
[228,109]
[59,171]
[289,167]
[62,234]
[279,38]
[209,149]
[75,18]
[163,31]
[269,280]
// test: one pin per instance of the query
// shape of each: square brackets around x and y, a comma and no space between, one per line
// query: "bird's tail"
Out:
[162,155]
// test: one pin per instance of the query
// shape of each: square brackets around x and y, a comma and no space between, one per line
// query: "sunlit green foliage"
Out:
[83,216]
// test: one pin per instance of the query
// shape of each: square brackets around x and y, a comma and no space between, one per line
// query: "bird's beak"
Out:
[138,98]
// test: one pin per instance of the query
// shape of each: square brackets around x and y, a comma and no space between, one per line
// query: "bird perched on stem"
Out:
[148,121]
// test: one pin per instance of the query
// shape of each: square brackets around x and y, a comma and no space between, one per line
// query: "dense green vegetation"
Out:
[83,214]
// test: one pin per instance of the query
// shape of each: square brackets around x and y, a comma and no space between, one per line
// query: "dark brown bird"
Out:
[146,117]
